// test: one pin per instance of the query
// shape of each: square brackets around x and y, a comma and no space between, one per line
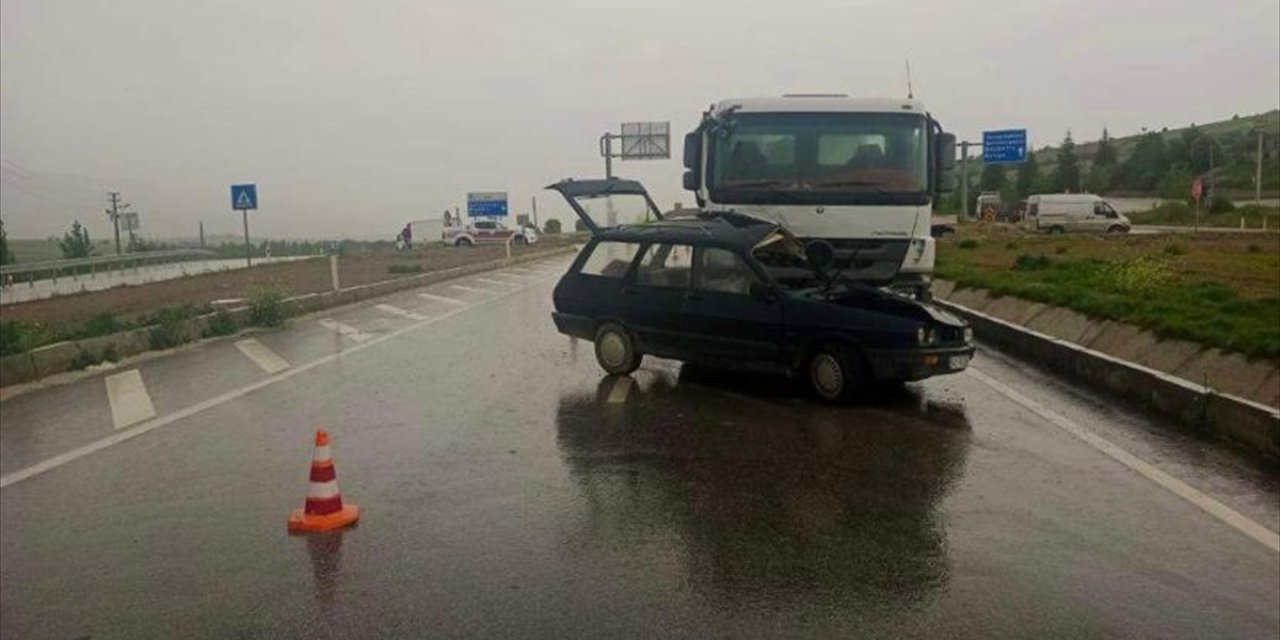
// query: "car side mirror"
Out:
[945,151]
[691,181]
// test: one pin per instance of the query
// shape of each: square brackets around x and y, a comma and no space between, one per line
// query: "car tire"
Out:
[519,240]
[464,242]
[836,373]
[1115,228]
[1053,231]
[616,350]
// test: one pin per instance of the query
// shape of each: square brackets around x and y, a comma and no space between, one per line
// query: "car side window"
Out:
[723,271]
[610,259]
[666,265]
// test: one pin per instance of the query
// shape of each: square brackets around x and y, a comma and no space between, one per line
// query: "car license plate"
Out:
[958,362]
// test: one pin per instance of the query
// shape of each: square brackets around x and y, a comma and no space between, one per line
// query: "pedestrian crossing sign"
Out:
[244,197]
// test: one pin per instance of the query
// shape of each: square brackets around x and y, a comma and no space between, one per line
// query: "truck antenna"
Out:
[910,93]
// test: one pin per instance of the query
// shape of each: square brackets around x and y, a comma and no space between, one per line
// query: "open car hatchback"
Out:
[733,291]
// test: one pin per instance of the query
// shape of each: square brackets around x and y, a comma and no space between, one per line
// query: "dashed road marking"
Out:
[347,331]
[397,311]
[262,356]
[1175,486]
[497,282]
[471,289]
[618,394]
[430,296]
[130,402]
[200,407]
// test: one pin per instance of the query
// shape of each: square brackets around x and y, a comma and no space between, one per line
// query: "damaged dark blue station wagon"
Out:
[732,291]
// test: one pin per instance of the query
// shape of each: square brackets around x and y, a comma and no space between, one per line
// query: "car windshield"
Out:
[878,153]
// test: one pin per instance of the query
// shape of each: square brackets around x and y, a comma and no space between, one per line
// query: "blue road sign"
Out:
[1007,146]
[483,204]
[244,196]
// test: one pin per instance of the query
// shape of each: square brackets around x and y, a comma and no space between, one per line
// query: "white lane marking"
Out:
[397,311]
[262,356]
[346,330]
[618,394]
[471,289]
[512,275]
[522,269]
[497,282]
[1179,488]
[168,419]
[130,402]
[430,296]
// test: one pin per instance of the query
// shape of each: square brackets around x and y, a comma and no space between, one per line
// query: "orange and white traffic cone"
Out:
[324,510]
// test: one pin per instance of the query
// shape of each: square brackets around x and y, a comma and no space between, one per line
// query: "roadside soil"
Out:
[127,303]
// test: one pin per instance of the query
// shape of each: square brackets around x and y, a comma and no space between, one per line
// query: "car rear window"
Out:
[610,259]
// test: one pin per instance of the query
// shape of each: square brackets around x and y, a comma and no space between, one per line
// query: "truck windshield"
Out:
[819,157]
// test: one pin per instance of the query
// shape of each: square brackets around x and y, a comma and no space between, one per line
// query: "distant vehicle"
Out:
[1073,213]
[739,292]
[487,232]
[861,174]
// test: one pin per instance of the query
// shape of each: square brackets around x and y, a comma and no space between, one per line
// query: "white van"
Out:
[1073,212]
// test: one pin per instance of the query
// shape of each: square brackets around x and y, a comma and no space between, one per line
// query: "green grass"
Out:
[1178,214]
[1172,294]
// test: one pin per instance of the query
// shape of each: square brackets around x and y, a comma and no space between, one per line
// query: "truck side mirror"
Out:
[692,150]
[945,151]
[691,181]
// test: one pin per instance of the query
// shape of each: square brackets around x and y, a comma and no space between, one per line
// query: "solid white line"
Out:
[1218,510]
[262,356]
[346,330]
[471,289]
[497,282]
[522,269]
[618,394]
[168,419]
[512,275]
[430,296]
[130,402]
[397,311]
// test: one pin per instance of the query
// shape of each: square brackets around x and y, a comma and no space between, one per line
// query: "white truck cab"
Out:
[860,174]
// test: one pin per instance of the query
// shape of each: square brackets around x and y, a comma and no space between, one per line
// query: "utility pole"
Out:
[202,234]
[114,212]
[1213,182]
[964,179]
[1257,176]
[535,213]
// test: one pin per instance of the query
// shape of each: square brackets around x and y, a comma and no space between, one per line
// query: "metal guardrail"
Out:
[104,263]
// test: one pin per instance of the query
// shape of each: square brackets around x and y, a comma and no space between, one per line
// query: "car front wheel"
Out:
[615,350]
[836,373]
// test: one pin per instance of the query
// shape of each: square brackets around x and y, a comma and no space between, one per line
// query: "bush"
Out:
[268,305]
[103,324]
[1175,249]
[551,227]
[1253,248]
[1141,275]
[404,268]
[1221,204]
[84,359]
[17,336]
[968,243]
[221,324]
[1060,250]
[171,327]
[1010,245]
[1027,262]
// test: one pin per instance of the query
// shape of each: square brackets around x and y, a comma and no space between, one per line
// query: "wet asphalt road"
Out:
[511,490]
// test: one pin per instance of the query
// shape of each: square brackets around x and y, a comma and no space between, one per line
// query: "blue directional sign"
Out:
[481,204]
[1007,146]
[244,196]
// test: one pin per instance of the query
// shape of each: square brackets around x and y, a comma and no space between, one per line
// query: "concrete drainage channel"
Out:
[1254,425]
[64,356]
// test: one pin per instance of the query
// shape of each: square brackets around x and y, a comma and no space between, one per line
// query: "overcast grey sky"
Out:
[354,117]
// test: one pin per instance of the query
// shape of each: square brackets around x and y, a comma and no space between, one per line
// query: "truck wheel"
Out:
[519,240]
[836,373]
[463,242]
[1056,231]
[615,350]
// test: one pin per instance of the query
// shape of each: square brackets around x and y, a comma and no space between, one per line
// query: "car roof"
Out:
[723,229]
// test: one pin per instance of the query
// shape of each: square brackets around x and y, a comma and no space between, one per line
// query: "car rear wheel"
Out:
[519,240]
[836,373]
[1056,230]
[464,242]
[1115,228]
[615,350]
